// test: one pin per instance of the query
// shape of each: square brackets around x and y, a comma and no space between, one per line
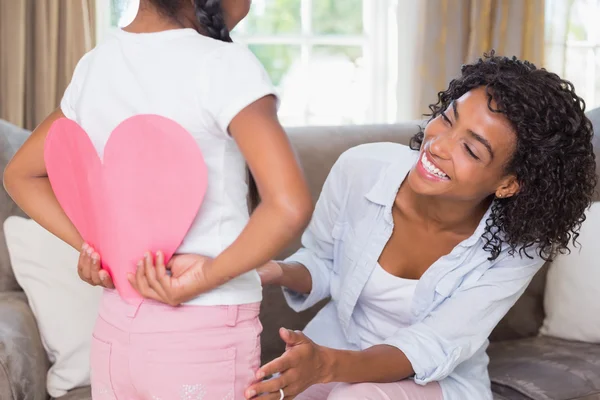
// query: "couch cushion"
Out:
[524,319]
[546,368]
[83,393]
[44,266]
[571,297]
[594,116]
[506,393]
[23,361]
[11,138]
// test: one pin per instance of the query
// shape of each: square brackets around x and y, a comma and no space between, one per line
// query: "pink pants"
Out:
[157,352]
[403,390]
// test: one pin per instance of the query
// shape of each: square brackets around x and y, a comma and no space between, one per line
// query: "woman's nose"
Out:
[441,146]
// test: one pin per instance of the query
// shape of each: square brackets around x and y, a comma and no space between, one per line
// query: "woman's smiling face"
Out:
[465,152]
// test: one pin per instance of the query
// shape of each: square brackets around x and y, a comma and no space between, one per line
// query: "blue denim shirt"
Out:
[457,301]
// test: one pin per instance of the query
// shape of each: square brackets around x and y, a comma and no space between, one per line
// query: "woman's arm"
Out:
[305,363]
[380,364]
[292,276]
[26,181]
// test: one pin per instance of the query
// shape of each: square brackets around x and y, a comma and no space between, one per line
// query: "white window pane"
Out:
[277,59]
[338,90]
[272,17]
[283,63]
[577,70]
[338,17]
[578,22]
[122,12]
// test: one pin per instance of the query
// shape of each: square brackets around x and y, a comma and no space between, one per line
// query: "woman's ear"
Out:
[508,188]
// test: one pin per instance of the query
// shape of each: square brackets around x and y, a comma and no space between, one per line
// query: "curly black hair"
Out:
[553,162]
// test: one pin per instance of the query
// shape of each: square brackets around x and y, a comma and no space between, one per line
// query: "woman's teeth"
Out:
[431,168]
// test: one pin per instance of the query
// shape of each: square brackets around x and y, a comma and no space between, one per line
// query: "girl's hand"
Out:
[185,281]
[302,365]
[90,270]
[270,273]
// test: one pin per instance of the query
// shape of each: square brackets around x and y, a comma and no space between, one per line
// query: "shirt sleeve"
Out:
[237,79]
[68,104]
[460,326]
[317,250]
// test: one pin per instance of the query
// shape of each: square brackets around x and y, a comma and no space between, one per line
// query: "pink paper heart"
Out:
[142,197]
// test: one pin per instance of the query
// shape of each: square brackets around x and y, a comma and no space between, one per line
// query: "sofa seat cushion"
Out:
[23,361]
[82,393]
[543,368]
[11,138]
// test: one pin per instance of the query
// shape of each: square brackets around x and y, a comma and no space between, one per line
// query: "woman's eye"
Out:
[446,119]
[468,149]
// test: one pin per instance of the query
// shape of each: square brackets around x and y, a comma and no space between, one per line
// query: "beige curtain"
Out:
[455,32]
[40,44]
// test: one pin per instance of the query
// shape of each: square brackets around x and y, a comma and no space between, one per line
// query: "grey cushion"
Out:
[545,368]
[524,319]
[11,138]
[504,393]
[594,116]
[78,394]
[23,362]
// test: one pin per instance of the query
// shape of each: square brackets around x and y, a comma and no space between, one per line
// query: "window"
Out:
[332,61]
[573,45]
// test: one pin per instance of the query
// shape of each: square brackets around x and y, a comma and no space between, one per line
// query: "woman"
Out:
[424,250]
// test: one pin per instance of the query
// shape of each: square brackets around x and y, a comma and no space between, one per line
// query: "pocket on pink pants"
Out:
[102,388]
[188,375]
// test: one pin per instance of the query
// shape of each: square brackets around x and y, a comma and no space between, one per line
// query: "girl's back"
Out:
[199,82]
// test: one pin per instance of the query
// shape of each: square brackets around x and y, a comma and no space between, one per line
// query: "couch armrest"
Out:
[23,360]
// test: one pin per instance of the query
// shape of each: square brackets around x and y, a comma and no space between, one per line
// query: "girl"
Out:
[176,60]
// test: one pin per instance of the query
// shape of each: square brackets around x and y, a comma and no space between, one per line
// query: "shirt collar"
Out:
[385,189]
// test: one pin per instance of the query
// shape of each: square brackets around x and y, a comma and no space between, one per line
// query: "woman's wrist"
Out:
[295,277]
[278,278]
[329,359]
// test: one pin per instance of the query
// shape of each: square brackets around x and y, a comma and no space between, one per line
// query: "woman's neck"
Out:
[440,215]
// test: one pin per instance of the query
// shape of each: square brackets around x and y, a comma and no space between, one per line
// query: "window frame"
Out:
[590,92]
[380,53]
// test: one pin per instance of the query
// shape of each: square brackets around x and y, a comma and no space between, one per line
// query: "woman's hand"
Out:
[90,270]
[181,280]
[270,273]
[302,365]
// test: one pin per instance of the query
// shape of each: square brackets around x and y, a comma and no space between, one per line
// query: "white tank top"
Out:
[384,306]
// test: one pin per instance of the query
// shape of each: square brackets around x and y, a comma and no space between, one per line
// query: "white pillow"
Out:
[64,306]
[571,299]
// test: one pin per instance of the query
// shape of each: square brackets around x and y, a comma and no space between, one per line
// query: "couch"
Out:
[523,365]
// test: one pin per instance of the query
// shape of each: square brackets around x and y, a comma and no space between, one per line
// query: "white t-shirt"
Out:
[383,307]
[202,84]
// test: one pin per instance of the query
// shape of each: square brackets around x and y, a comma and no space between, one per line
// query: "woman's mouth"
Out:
[431,168]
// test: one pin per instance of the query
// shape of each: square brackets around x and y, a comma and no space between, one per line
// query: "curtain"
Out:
[456,32]
[41,42]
